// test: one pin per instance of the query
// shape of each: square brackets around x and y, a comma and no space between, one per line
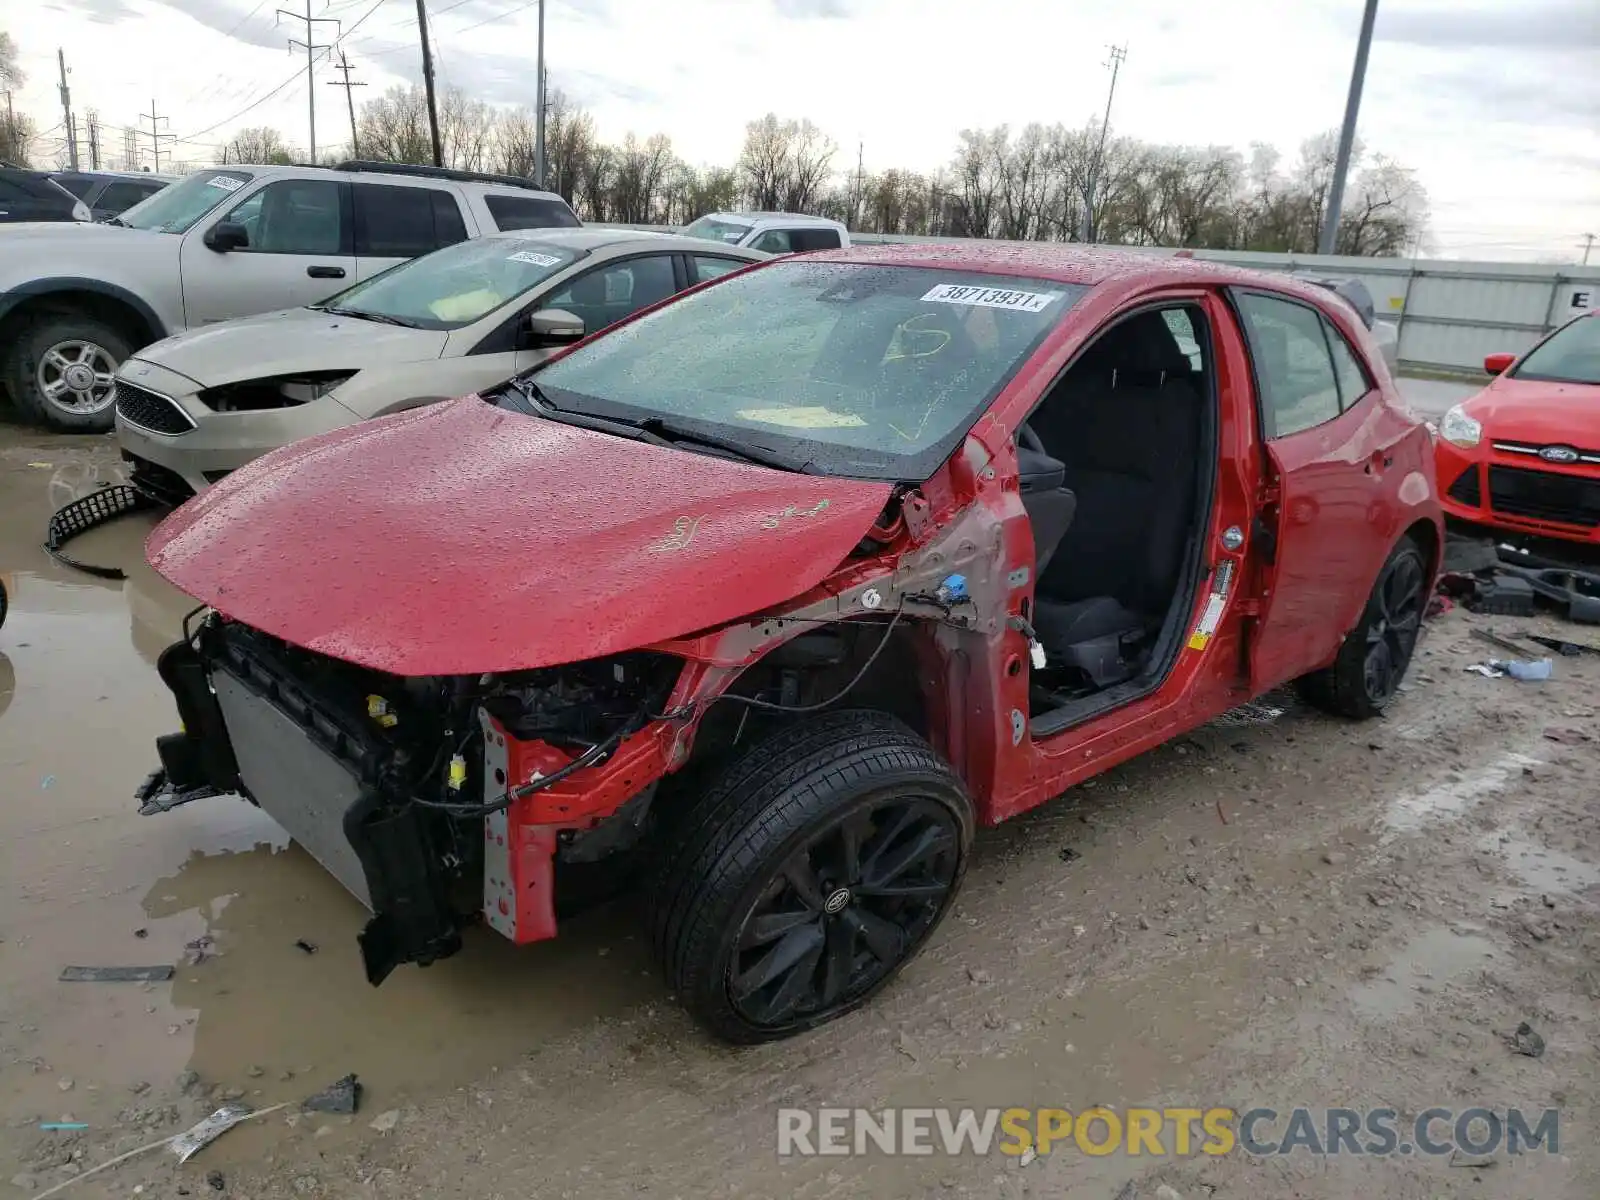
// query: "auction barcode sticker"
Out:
[534,257]
[957,293]
[226,182]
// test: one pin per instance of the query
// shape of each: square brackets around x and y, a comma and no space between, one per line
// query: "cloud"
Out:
[807,10]
[1531,24]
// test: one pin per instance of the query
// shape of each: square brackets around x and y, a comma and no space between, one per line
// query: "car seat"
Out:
[1127,429]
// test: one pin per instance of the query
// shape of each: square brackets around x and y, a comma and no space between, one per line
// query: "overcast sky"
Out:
[1495,103]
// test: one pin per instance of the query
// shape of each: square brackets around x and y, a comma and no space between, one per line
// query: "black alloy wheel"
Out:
[844,910]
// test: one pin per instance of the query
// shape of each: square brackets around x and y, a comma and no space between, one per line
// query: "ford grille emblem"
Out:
[1559,454]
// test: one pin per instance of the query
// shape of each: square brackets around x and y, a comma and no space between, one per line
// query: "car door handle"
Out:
[325,272]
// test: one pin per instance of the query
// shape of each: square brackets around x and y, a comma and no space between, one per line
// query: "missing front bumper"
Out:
[235,739]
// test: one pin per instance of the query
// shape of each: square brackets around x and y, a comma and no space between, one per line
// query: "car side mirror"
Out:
[552,327]
[1498,364]
[227,236]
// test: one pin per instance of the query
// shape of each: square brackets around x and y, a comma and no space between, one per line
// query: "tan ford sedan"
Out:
[194,407]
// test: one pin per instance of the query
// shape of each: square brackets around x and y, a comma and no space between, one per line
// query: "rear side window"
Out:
[1293,367]
[814,239]
[122,195]
[448,227]
[708,266]
[393,221]
[1347,368]
[530,212]
[773,241]
[78,185]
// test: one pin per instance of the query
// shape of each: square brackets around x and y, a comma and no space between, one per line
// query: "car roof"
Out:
[1068,262]
[405,179]
[148,176]
[592,237]
[787,217]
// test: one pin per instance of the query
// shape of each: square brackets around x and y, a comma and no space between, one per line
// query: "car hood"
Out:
[1530,410]
[461,538]
[34,232]
[290,342]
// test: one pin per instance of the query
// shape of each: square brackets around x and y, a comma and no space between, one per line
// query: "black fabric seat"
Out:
[1127,427]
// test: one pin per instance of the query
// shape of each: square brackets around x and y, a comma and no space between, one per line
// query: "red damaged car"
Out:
[771,595]
[1524,453]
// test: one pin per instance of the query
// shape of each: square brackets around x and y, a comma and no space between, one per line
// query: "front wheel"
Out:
[62,371]
[814,868]
[1372,661]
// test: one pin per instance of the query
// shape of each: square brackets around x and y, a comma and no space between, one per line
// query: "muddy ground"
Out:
[1294,911]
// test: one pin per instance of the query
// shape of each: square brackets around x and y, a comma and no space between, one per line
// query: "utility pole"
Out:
[349,97]
[1588,245]
[1087,231]
[861,160]
[92,120]
[66,111]
[427,83]
[538,134]
[155,136]
[1347,136]
[311,51]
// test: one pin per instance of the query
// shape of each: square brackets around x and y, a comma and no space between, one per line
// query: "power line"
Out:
[155,135]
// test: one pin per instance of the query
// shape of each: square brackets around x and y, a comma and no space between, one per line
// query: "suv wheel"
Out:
[62,371]
[812,870]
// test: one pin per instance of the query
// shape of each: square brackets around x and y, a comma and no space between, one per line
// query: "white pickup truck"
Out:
[774,233]
[77,299]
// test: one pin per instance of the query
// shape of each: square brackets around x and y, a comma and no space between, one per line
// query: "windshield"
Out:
[1569,355]
[457,285]
[868,371]
[175,209]
[717,230]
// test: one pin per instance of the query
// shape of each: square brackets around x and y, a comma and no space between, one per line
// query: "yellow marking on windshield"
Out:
[802,417]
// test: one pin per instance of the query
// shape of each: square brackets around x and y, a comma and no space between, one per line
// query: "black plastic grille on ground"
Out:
[150,410]
[82,515]
[1545,496]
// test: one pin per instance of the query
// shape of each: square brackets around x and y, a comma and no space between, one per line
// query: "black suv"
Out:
[108,193]
[33,196]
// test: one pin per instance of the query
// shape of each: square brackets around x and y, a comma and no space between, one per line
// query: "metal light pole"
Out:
[1347,135]
[538,136]
[1086,230]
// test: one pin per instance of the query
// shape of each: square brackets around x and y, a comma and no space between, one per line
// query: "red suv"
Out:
[775,592]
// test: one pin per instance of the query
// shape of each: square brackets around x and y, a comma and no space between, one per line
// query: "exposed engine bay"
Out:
[401,786]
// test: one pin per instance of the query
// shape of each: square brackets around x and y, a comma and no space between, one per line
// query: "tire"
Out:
[50,350]
[1375,654]
[763,859]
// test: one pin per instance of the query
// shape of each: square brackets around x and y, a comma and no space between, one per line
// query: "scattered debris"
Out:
[386,1121]
[1333,857]
[1488,670]
[1530,672]
[1566,737]
[1068,854]
[303,945]
[116,974]
[1504,643]
[978,975]
[1526,1041]
[56,1126]
[902,1043]
[65,1084]
[1562,646]
[1221,816]
[1504,597]
[1457,1159]
[341,1096]
[1464,555]
[197,951]
[190,1142]
[141,933]
[216,1181]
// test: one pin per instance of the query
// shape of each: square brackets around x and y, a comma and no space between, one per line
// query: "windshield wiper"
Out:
[535,403]
[380,318]
[762,456]
[116,221]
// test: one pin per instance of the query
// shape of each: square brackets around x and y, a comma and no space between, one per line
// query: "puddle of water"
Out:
[1411,811]
[1541,868]
[1428,960]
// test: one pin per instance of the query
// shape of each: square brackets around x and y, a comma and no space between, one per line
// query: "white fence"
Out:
[1448,315]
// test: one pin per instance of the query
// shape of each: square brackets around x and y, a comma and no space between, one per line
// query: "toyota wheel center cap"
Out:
[836,902]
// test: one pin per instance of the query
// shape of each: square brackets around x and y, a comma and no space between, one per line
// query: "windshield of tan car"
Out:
[176,208]
[869,371]
[718,231]
[1569,355]
[457,285]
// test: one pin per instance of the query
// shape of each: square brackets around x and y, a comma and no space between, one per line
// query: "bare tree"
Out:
[785,164]
[261,145]
[394,127]
[466,131]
